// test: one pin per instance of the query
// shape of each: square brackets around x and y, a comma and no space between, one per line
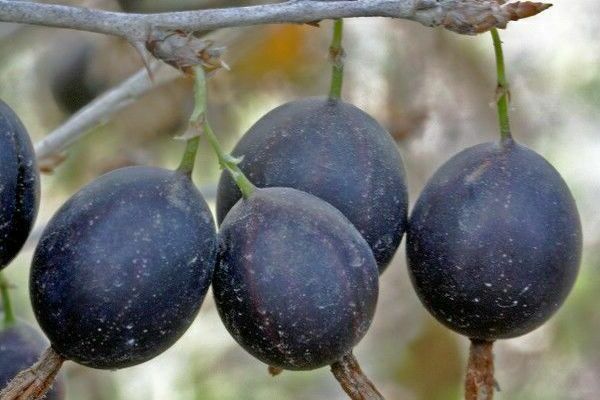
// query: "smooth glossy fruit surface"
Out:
[20,347]
[494,241]
[121,270]
[336,152]
[19,185]
[296,284]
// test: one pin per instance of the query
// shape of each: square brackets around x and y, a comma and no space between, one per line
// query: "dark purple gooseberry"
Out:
[296,284]
[121,270]
[19,185]
[336,152]
[21,346]
[494,242]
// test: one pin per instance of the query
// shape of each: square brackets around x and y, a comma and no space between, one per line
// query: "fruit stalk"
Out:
[189,156]
[9,316]
[33,383]
[191,148]
[479,382]
[502,90]
[355,383]
[199,119]
[336,53]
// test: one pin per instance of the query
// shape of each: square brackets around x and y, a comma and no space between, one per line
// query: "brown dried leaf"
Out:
[183,50]
[473,17]
[524,9]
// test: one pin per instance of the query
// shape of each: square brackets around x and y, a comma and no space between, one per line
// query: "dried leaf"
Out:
[471,17]
[183,50]
[525,9]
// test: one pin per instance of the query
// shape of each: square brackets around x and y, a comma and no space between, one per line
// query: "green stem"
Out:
[191,149]
[189,156]
[9,316]
[226,160]
[503,89]
[336,52]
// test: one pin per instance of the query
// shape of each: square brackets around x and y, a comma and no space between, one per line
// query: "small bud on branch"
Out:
[473,17]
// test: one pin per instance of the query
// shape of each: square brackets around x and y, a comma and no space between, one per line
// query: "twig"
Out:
[480,383]
[462,16]
[354,382]
[101,109]
[35,382]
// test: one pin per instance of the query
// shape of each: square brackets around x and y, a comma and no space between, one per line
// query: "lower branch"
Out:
[100,110]
[480,383]
[354,382]
[35,382]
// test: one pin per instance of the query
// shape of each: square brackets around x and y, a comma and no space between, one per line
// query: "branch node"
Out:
[183,50]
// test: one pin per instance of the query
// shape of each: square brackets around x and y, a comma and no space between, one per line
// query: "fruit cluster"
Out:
[121,270]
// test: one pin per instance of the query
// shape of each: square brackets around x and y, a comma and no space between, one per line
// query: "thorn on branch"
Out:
[473,17]
[143,52]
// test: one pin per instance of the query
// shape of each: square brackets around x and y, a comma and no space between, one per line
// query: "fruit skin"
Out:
[494,242]
[334,151]
[296,285]
[20,347]
[122,268]
[19,185]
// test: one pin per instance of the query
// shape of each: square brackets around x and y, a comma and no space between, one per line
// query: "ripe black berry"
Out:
[122,269]
[494,242]
[336,152]
[296,284]
[19,185]
[20,346]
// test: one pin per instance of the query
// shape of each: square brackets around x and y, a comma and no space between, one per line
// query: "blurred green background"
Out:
[433,90]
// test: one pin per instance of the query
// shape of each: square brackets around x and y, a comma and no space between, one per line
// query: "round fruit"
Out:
[494,241]
[21,346]
[122,268]
[19,185]
[336,152]
[296,285]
